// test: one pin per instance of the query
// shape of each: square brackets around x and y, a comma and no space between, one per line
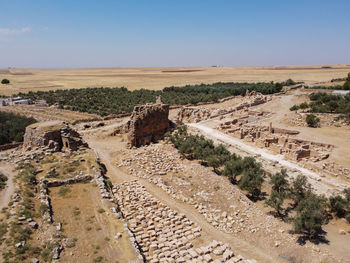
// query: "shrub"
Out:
[294,108]
[303,106]
[338,205]
[312,120]
[5,81]
[64,190]
[43,208]
[3,180]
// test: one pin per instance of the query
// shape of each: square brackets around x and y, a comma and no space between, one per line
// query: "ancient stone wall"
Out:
[148,123]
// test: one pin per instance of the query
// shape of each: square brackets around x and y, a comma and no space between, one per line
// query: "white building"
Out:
[341,92]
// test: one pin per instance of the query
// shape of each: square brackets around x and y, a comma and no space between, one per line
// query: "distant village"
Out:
[15,101]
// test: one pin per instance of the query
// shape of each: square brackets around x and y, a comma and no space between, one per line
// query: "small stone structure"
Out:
[148,123]
[57,136]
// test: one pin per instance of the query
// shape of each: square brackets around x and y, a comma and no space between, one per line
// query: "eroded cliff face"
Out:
[148,123]
[56,136]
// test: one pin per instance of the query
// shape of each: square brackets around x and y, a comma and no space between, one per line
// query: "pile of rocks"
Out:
[162,234]
[75,180]
[153,161]
[45,201]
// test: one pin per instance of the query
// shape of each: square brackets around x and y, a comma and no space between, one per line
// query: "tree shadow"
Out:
[260,197]
[319,238]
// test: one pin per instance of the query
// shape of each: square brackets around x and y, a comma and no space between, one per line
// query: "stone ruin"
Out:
[148,123]
[56,136]
[277,140]
[197,114]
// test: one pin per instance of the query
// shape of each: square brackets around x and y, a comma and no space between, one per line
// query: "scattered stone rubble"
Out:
[162,234]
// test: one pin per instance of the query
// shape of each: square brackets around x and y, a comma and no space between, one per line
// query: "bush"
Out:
[64,190]
[101,210]
[3,180]
[340,205]
[312,120]
[5,81]
[294,108]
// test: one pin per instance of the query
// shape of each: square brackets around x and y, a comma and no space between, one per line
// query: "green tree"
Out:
[299,189]
[279,193]
[279,181]
[338,205]
[310,216]
[5,81]
[312,120]
[233,168]
[251,181]
[276,201]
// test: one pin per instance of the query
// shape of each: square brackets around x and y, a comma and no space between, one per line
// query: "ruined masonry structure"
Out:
[148,123]
[56,136]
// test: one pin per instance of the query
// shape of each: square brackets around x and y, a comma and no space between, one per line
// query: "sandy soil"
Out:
[24,80]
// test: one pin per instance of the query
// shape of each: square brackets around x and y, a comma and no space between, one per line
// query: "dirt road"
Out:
[6,193]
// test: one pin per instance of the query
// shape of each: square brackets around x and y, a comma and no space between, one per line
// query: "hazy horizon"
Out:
[115,34]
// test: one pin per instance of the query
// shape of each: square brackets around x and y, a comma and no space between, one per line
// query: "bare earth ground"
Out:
[24,80]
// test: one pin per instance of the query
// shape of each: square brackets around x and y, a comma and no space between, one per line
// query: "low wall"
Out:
[10,146]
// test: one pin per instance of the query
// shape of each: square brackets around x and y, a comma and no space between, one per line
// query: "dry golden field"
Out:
[24,80]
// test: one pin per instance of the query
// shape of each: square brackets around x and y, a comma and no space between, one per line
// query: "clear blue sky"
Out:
[131,33]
